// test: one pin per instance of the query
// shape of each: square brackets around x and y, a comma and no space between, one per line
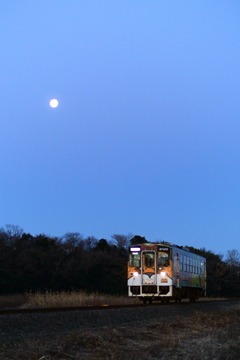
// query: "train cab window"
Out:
[135,259]
[149,259]
[163,259]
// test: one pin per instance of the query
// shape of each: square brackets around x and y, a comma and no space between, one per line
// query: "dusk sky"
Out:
[146,137]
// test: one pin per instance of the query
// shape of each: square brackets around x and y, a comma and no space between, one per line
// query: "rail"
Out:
[11,311]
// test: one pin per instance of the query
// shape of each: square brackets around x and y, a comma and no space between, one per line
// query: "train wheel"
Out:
[178,300]
[165,301]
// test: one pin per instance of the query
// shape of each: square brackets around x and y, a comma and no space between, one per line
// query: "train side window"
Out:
[163,259]
[188,266]
[185,263]
[181,262]
[135,259]
[193,261]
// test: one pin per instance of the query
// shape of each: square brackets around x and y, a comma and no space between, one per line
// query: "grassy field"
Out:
[54,299]
[64,298]
[211,336]
[203,336]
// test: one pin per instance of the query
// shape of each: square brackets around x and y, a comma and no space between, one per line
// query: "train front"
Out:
[149,272]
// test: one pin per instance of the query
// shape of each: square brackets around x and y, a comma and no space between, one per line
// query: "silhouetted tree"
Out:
[43,262]
[103,245]
[72,241]
[216,271]
[232,273]
[122,241]
[90,243]
[138,240]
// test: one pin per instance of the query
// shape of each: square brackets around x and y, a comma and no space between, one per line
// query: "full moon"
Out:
[53,103]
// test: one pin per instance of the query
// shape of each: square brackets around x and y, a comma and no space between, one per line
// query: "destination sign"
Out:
[163,248]
[136,248]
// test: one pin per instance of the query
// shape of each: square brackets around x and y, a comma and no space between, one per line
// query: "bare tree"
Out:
[233,258]
[90,243]
[11,233]
[72,240]
[122,241]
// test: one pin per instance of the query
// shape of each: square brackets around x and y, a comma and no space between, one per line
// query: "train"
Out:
[165,271]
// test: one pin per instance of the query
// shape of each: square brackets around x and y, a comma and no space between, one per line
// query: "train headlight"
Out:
[135,274]
[163,273]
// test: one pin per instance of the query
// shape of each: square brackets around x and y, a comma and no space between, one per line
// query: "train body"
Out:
[163,271]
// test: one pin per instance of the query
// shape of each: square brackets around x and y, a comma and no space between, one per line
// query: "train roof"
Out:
[171,245]
[165,243]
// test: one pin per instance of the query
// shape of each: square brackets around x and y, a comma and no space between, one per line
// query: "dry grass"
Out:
[12,301]
[55,299]
[213,336]
[64,298]
[74,298]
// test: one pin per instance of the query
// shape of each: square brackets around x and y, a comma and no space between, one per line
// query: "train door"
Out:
[149,269]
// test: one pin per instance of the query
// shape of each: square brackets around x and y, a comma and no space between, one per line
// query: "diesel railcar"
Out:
[164,271]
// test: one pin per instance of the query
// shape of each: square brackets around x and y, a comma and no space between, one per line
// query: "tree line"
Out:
[74,262]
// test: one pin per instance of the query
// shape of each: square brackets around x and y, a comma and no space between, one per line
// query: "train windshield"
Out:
[149,259]
[163,257]
[135,259]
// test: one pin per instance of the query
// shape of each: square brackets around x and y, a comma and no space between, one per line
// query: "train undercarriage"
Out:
[165,293]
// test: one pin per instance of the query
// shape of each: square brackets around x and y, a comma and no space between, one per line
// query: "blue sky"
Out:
[146,135]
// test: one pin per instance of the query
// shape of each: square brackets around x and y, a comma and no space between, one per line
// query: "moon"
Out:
[53,103]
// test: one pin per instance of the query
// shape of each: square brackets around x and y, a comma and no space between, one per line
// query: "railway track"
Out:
[50,333]
[12,311]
